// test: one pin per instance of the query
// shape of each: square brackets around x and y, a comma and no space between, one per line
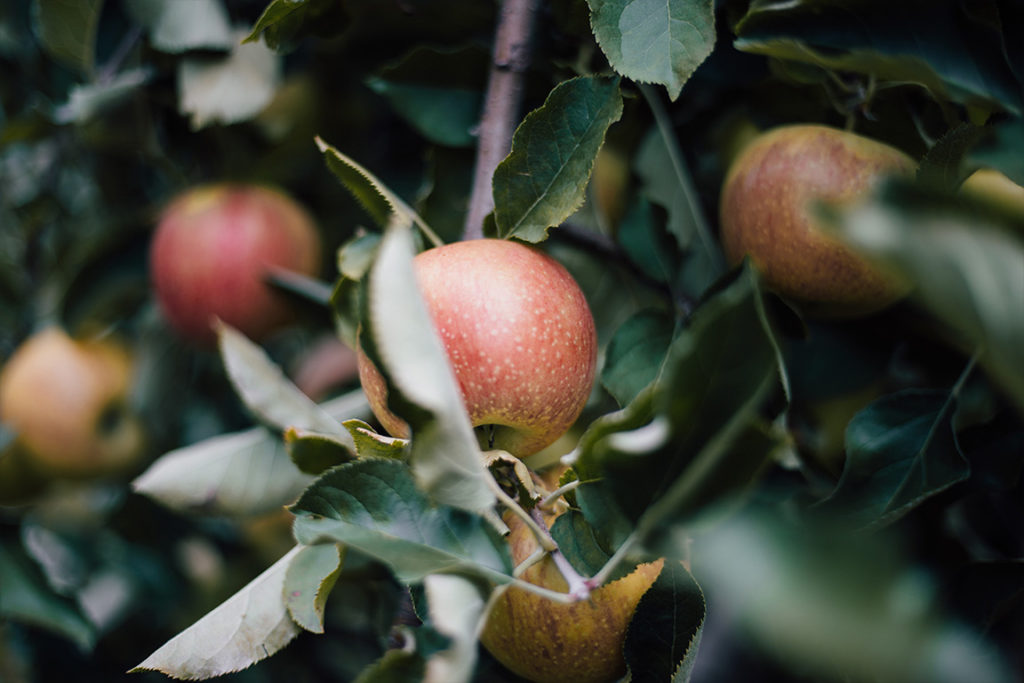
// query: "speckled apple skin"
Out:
[519,335]
[210,253]
[766,208]
[546,641]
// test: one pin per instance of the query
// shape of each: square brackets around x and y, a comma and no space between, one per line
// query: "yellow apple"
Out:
[211,254]
[67,402]
[519,335]
[994,188]
[767,212]
[547,641]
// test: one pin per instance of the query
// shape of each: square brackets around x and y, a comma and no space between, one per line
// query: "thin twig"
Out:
[504,98]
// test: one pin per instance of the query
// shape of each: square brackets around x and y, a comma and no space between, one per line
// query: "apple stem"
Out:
[509,62]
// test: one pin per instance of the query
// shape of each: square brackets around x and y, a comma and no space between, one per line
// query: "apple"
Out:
[67,402]
[767,211]
[543,640]
[211,253]
[519,335]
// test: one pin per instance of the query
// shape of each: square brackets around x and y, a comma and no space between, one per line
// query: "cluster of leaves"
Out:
[843,491]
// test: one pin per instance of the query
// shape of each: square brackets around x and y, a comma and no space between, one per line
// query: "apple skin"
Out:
[67,401]
[767,206]
[998,191]
[519,335]
[546,641]
[210,253]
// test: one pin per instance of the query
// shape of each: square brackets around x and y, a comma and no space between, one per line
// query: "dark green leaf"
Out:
[672,443]
[661,643]
[968,271]
[314,452]
[544,179]
[1000,149]
[285,22]
[935,44]
[647,243]
[308,581]
[661,42]
[943,166]
[25,597]
[580,544]
[900,451]
[376,507]
[635,354]
[67,30]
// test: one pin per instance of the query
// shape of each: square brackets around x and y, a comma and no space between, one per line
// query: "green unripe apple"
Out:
[211,253]
[67,402]
[767,212]
[547,641]
[519,335]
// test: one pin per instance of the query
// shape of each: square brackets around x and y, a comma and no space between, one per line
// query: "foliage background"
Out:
[107,109]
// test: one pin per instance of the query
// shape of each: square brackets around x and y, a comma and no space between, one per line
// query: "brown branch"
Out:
[504,98]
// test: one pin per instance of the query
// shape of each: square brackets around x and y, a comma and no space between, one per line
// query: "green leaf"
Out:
[954,54]
[661,184]
[271,396]
[86,101]
[661,643]
[582,546]
[239,474]
[370,444]
[438,92]
[396,666]
[635,354]
[456,610]
[354,260]
[900,451]
[421,384]
[249,626]
[177,27]
[943,166]
[375,507]
[314,452]
[228,89]
[669,454]
[25,597]
[308,581]
[67,30]
[379,201]
[968,271]
[655,41]
[646,242]
[999,149]
[544,179]
[285,22]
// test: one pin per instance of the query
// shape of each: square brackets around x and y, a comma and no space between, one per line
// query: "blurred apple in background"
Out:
[211,253]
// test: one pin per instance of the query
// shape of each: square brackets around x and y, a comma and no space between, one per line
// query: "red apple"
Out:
[767,212]
[67,402]
[211,252]
[519,335]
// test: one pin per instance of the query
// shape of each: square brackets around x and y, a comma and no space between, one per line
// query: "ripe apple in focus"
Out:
[519,335]
[546,641]
[67,401]
[767,206]
[211,251]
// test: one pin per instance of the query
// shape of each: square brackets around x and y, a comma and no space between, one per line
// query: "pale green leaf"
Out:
[249,626]
[370,444]
[544,179]
[309,580]
[175,26]
[456,609]
[655,41]
[228,89]
[238,474]
[67,29]
[444,451]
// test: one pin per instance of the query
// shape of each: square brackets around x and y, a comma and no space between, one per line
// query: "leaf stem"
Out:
[511,58]
[553,497]
[542,536]
[682,174]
